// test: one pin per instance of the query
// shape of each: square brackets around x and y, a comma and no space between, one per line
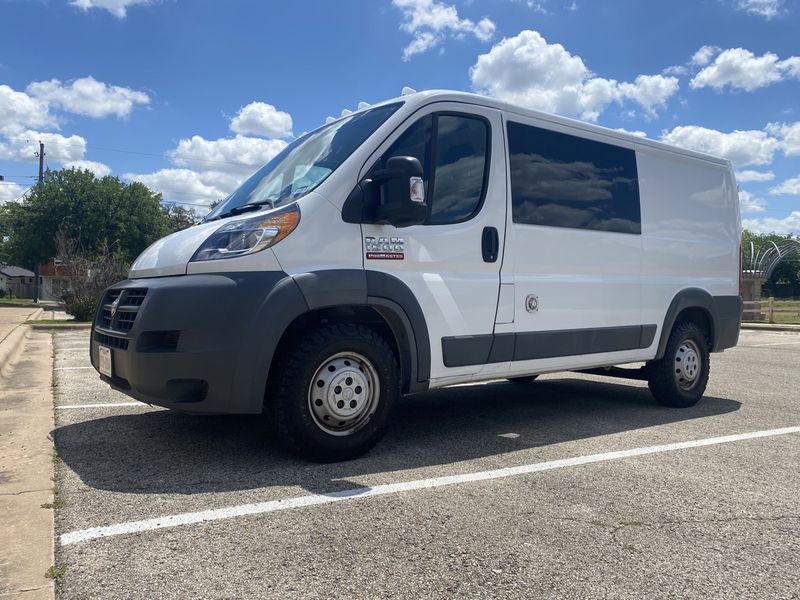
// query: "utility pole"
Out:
[36,266]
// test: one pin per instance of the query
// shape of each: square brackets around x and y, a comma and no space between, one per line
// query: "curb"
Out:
[11,345]
[57,326]
[770,327]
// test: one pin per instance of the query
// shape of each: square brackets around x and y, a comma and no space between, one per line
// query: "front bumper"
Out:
[185,342]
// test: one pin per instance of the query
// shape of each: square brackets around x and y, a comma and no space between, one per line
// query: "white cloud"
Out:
[790,186]
[675,71]
[748,203]
[18,111]
[182,185]
[789,134]
[769,9]
[239,154]
[57,147]
[637,133]
[704,55]
[650,91]
[430,22]
[741,69]
[118,8]
[746,176]
[87,96]
[528,71]
[99,169]
[10,191]
[259,118]
[752,147]
[788,224]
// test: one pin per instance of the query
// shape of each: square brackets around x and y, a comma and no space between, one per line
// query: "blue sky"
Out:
[189,96]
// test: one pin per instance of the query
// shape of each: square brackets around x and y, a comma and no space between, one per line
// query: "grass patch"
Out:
[16,302]
[55,572]
[57,322]
[57,502]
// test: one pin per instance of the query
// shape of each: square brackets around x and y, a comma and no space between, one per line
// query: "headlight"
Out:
[249,235]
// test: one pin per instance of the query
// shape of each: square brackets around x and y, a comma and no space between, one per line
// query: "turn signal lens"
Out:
[247,236]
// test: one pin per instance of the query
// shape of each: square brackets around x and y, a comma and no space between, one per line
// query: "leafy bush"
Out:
[88,277]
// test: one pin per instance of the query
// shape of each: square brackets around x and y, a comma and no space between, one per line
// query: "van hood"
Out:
[170,255]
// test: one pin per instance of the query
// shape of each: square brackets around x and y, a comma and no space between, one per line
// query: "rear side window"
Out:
[563,180]
[455,167]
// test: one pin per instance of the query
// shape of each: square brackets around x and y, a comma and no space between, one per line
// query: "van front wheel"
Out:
[679,378]
[334,392]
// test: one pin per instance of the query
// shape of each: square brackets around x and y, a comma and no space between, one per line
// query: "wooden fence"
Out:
[765,310]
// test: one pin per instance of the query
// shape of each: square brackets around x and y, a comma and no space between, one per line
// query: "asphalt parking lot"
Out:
[630,511]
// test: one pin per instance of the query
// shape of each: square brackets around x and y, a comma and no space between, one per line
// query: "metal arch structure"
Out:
[761,262]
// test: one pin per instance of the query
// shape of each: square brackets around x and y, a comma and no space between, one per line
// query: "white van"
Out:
[433,239]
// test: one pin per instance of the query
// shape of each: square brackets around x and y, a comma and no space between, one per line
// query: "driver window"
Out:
[416,142]
[455,188]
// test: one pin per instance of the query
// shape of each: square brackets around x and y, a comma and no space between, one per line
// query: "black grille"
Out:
[135,297]
[111,341]
[125,320]
[120,307]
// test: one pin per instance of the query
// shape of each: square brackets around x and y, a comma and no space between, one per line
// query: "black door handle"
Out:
[490,244]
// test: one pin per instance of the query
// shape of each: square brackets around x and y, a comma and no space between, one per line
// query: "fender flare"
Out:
[687,298]
[296,295]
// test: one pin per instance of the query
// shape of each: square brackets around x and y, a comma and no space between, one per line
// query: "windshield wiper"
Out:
[245,208]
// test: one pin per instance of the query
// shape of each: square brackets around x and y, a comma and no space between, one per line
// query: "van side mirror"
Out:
[394,195]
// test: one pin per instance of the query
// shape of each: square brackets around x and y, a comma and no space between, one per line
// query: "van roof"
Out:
[419,98]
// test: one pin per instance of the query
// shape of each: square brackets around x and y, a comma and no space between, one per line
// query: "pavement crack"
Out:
[25,492]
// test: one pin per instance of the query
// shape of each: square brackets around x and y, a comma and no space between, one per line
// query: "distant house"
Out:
[55,280]
[16,282]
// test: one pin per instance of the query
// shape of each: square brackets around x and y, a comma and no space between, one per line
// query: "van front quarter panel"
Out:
[197,343]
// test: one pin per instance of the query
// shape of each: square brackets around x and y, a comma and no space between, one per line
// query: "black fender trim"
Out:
[724,314]
[279,308]
[390,297]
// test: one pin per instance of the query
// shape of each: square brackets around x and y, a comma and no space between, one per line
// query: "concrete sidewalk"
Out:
[12,330]
[26,460]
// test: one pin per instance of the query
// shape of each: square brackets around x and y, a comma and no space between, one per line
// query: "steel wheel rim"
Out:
[344,393]
[688,364]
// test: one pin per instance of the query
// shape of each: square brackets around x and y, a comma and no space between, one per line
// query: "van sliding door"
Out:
[573,249]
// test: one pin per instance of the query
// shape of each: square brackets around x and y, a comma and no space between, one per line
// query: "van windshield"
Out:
[303,164]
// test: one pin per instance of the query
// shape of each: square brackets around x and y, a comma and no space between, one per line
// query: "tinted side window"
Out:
[460,173]
[416,142]
[563,180]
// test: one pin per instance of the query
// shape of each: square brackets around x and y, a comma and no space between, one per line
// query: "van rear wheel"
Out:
[334,392]
[679,378]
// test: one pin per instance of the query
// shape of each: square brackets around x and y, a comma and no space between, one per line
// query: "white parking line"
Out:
[772,344]
[102,405]
[72,368]
[393,488]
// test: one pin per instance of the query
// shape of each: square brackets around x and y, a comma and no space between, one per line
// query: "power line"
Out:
[77,146]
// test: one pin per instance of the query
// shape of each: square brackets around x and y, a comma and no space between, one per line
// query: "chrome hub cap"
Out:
[687,364]
[344,393]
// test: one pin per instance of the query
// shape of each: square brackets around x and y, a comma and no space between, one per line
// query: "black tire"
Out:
[299,425]
[679,379]
[523,379]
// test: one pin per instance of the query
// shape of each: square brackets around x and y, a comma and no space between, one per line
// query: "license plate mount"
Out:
[105,365]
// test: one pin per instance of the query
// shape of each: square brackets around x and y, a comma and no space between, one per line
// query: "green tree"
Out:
[180,218]
[98,214]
